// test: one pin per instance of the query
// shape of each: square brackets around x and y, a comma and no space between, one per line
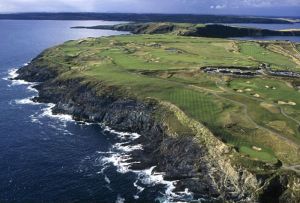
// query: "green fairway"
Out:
[262,155]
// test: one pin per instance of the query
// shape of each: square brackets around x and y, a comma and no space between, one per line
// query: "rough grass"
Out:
[261,54]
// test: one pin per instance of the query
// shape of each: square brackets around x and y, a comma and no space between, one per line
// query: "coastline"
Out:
[119,154]
[199,163]
[181,160]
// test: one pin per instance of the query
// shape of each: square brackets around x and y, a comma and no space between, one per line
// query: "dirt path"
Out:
[260,100]
[287,116]
[280,108]
[295,168]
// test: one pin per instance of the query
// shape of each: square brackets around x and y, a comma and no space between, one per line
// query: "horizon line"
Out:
[147,13]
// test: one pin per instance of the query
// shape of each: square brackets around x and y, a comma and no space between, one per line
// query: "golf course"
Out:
[239,100]
[258,116]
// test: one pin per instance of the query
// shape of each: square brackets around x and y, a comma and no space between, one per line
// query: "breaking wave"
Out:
[46,111]
[120,157]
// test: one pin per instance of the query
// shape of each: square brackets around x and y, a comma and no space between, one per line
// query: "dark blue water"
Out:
[271,27]
[51,158]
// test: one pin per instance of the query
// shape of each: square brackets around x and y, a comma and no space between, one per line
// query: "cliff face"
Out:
[199,161]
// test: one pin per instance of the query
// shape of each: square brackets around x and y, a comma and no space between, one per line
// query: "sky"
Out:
[235,7]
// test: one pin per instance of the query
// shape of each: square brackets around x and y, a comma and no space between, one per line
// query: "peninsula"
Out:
[205,121]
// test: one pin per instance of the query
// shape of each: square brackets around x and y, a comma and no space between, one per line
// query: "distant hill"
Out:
[179,18]
[196,30]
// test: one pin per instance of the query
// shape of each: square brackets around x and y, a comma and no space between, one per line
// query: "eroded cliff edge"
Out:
[190,153]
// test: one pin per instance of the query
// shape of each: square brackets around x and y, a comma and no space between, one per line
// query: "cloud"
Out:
[150,6]
[45,5]
[220,6]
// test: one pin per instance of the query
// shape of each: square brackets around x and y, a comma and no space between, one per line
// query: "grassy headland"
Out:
[259,116]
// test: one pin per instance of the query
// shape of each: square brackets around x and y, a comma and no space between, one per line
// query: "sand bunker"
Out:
[256,148]
[291,103]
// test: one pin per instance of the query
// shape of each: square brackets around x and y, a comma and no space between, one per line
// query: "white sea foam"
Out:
[84,123]
[120,152]
[120,157]
[27,101]
[47,112]
[31,89]
[107,180]
[149,177]
[34,119]
[126,147]
[139,188]
[123,135]
[60,128]
[120,199]
[119,160]
[19,82]
[12,73]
